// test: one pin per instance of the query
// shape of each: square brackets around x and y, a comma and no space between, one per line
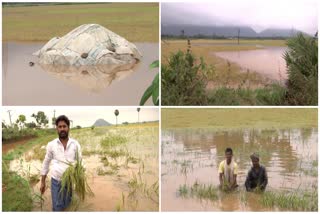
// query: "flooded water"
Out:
[63,85]
[143,144]
[190,155]
[268,61]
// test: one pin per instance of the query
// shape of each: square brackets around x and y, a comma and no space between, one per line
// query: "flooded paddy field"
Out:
[191,155]
[236,65]
[62,85]
[121,164]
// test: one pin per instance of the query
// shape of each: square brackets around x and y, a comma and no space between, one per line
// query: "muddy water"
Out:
[289,156]
[61,85]
[108,189]
[268,61]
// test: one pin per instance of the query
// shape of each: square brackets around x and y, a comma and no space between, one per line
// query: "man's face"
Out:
[228,156]
[255,162]
[63,130]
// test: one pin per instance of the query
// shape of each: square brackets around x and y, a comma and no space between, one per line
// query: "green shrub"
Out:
[302,62]
[184,80]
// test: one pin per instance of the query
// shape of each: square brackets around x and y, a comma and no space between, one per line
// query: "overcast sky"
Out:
[84,116]
[258,14]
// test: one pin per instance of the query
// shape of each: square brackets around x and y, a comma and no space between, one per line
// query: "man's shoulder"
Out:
[74,141]
[53,142]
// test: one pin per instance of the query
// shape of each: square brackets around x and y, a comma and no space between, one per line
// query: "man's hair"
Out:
[228,150]
[63,118]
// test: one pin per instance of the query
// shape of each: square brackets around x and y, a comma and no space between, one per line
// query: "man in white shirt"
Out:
[60,151]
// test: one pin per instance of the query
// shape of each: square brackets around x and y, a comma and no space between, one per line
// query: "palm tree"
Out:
[116,112]
[138,110]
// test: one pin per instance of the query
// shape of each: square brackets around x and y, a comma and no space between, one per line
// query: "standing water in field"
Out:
[191,157]
[268,61]
[122,167]
[43,84]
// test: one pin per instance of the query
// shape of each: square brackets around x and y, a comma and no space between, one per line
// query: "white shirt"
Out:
[59,157]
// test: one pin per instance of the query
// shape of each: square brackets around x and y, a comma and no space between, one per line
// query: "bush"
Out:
[183,80]
[272,95]
[302,63]
[13,133]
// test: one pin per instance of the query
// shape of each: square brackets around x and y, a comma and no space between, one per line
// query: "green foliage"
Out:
[153,89]
[74,179]
[302,200]
[112,140]
[184,80]
[41,118]
[302,62]
[16,192]
[200,191]
[14,133]
[272,95]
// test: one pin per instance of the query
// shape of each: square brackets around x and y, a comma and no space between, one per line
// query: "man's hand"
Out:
[43,184]
[43,187]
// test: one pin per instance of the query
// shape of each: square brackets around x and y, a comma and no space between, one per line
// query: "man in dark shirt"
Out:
[257,178]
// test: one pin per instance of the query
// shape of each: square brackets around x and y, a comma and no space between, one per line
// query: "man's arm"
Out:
[221,179]
[45,168]
[264,179]
[221,175]
[248,182]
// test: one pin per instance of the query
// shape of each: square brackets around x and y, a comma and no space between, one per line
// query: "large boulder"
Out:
[89,44]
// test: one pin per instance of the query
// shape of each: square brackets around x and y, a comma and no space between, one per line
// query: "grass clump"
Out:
[113,140]
[271,95]
[299,201]
[74,179]
[200,191]
[16,192]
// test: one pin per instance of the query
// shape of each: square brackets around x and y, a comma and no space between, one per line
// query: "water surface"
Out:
[189,155]
[62,85]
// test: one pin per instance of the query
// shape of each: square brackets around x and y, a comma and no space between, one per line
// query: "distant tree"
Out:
[41,118]
[31,125]
[78,127]
[4,126]
[302,64]
[21,121]
[92,127]
[116,112]
[125,123]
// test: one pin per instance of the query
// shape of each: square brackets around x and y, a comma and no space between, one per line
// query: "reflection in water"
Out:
[268,61]
[92,78]
[56,85]
[289,156]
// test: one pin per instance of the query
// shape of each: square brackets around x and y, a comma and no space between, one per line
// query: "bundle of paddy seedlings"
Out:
[74,180]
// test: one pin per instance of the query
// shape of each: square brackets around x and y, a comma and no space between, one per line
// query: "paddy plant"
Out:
[74,180]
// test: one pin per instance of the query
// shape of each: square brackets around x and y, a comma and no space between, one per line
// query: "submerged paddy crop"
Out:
[74,179]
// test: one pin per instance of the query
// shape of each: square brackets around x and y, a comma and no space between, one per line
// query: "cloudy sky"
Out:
[83,116]
[258,14]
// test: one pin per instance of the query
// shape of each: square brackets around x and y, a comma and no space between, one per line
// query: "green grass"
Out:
[113,140]
[16,191]
[272,95]
[43,138]
[137,22]
[298,201]
[239,118]
[199,191]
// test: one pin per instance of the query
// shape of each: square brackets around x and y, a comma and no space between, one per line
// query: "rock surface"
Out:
[89,44]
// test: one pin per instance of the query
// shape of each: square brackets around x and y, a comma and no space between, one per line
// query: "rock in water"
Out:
[89,44]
